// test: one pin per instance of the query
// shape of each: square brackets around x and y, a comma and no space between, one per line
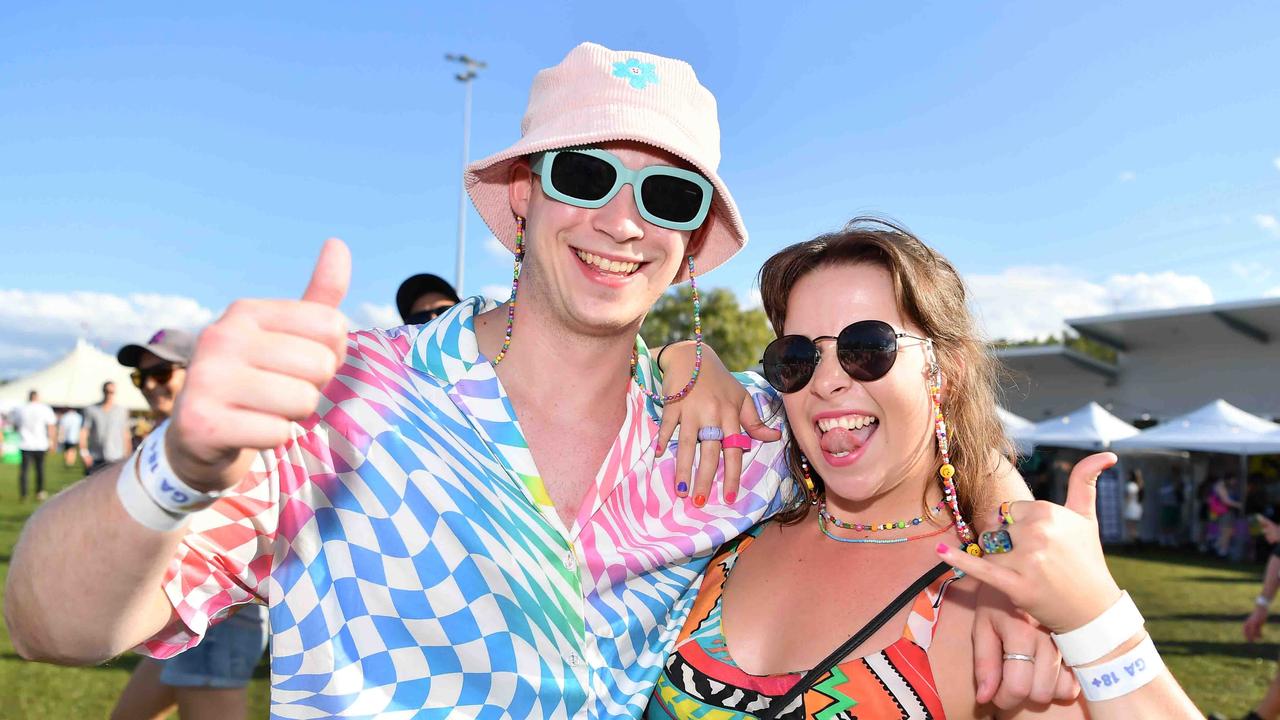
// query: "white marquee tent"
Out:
[1218,427]
[76,381]
[1018,429]
[1089,428]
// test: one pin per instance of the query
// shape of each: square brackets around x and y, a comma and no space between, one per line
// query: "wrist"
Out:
[1262,602]
[1102,635]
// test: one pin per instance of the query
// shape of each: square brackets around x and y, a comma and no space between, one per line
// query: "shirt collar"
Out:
[446,349]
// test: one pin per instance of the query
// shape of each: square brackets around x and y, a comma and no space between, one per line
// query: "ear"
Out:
[520,189]
[697,239]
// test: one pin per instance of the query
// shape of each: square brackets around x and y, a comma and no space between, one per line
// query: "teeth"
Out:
[612,266]
[848,422]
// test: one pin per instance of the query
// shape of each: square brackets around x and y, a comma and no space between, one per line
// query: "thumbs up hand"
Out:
[254,372]
[1056,571]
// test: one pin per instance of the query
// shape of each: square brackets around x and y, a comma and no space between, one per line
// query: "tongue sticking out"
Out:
[839,441]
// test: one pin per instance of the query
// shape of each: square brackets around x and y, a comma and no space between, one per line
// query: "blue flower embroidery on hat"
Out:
[639,74]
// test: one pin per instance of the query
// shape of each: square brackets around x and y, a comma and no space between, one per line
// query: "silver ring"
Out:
[710,432]
[1019,656]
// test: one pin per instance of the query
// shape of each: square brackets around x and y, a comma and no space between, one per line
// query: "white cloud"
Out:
[1127,176]
[373,315]
[501,293]
[1033,301]
[494,247]
[1276,162]
[38,326]
[1273,292]
[1251,271]
[1142,291]
[1268,223]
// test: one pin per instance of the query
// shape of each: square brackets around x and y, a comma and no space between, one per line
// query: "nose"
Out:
[620,217]
[829,378]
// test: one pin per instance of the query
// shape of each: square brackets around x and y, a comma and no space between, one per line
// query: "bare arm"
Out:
[85,583]
[1258,617]
[65,600]
[1056,571]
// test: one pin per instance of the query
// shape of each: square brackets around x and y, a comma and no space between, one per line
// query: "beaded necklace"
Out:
[825,514]
[697,350]
[879,541]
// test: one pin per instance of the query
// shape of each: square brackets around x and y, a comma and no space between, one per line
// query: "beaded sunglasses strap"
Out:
[877,622]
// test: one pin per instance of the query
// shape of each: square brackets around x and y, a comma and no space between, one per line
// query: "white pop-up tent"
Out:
[1018,429]
[1089,428]
[75,380]
[1218,427]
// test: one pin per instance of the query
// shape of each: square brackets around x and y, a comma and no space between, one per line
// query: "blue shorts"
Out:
[225,658]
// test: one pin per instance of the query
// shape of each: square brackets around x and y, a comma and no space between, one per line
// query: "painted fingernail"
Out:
[730,497]
[699,501]
[941,549]
[682,488]
[657,445]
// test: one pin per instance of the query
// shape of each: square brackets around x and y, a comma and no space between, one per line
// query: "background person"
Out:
[106,436]
[37,432]
[69,435]
[211,679]
[422,297]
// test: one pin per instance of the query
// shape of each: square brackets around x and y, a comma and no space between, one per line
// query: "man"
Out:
[210,680]
[446,523]
[105,437]
[69,435]
[36,426]
[423,297]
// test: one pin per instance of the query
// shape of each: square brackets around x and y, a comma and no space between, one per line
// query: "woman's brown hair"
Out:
[931,294]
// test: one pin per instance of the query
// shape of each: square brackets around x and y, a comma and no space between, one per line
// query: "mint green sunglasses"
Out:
[666,196]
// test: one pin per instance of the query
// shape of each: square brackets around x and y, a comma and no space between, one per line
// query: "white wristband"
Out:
[162,484]
[1102,634]
[1123,675]
[139,505]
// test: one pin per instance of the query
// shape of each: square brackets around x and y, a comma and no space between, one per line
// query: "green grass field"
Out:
[1193,606]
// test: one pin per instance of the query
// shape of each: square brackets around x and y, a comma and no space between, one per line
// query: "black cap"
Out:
[419,285]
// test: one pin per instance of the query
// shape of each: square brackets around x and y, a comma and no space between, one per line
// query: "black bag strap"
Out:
[852,643]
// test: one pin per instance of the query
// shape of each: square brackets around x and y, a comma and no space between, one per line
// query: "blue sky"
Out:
[158,162]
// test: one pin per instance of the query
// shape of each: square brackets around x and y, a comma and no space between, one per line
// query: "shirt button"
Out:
[570,560]
[574,659]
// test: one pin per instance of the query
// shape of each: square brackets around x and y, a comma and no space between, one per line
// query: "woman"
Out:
[889,396]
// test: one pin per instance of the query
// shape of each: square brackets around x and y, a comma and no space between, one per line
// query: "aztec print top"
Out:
[702,681]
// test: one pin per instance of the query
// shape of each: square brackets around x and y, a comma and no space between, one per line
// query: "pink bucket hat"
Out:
[597,95]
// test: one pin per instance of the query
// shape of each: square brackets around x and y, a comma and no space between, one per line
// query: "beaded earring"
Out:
[515,285]
[948,471]
[697,351]
[810,490]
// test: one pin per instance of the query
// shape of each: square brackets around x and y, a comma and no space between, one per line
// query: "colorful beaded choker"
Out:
[826,515]
[879,541]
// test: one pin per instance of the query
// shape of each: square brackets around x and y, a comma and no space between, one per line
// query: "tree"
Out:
[738,336]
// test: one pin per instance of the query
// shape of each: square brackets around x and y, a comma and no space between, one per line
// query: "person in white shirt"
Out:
[35,423]
[69,435]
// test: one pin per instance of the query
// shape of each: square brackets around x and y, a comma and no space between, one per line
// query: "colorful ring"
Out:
[1006,513]
[996,542]
[710,433]
[740,441]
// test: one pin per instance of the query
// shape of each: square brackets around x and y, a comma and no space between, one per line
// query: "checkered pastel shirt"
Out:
[414,564]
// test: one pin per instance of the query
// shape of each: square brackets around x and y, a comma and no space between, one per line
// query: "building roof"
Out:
[1233,323]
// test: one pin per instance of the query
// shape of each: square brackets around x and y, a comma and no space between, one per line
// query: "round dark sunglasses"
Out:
[162,374]
[866,350]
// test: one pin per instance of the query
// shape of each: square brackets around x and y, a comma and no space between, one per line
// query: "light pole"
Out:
[470,66]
